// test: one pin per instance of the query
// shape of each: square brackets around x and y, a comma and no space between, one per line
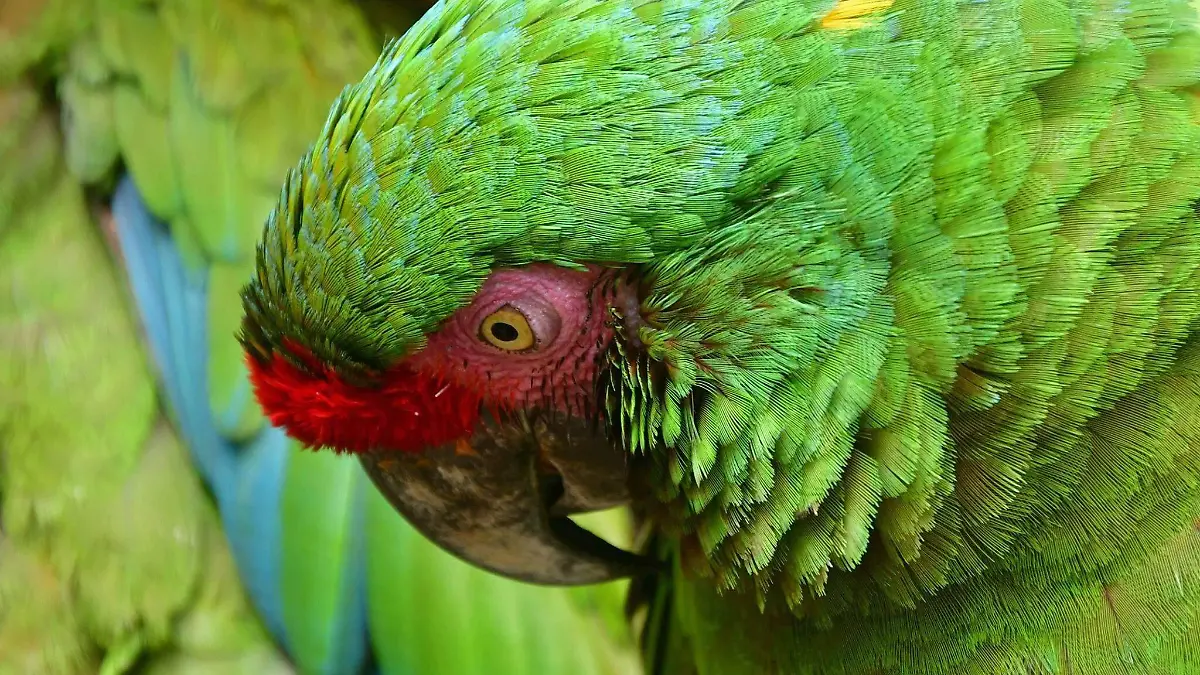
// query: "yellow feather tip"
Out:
[854,14]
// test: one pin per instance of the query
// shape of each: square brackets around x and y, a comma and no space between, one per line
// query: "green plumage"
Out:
[918,388]
[110,553]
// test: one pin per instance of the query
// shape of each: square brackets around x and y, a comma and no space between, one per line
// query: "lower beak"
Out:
[500,499]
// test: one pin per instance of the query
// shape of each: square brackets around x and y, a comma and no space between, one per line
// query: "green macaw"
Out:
[180,117]
[883,314]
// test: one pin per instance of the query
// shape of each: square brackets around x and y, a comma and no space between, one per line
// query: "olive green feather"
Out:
[111,555]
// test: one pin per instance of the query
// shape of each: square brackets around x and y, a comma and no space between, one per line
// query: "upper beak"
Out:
[500,499]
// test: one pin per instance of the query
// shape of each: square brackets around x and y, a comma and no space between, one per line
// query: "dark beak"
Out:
[500,500]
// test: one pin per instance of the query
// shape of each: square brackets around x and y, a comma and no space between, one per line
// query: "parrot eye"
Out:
[508,329]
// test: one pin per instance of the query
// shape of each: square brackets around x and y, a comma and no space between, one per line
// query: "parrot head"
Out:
[485,437]
[396,315]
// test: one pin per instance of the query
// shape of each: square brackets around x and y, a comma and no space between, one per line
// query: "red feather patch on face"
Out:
[407,412]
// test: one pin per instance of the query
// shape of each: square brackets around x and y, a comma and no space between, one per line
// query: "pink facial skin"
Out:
[568,312]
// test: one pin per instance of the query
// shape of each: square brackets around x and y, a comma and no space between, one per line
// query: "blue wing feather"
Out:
[246,480]
[170,300]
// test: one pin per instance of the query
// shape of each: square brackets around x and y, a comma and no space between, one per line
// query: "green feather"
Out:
[320,539]
[208,102]
[111,553]
[445,616]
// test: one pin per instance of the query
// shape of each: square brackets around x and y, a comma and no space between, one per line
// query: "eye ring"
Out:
[507,329]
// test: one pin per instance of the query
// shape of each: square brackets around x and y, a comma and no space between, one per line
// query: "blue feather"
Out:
[247,479]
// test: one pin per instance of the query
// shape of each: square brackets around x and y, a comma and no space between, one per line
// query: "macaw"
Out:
[177,118]
[884,315]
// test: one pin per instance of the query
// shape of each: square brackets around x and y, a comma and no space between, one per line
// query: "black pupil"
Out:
[504,332]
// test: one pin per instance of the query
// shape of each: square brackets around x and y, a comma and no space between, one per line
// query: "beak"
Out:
[500,499]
